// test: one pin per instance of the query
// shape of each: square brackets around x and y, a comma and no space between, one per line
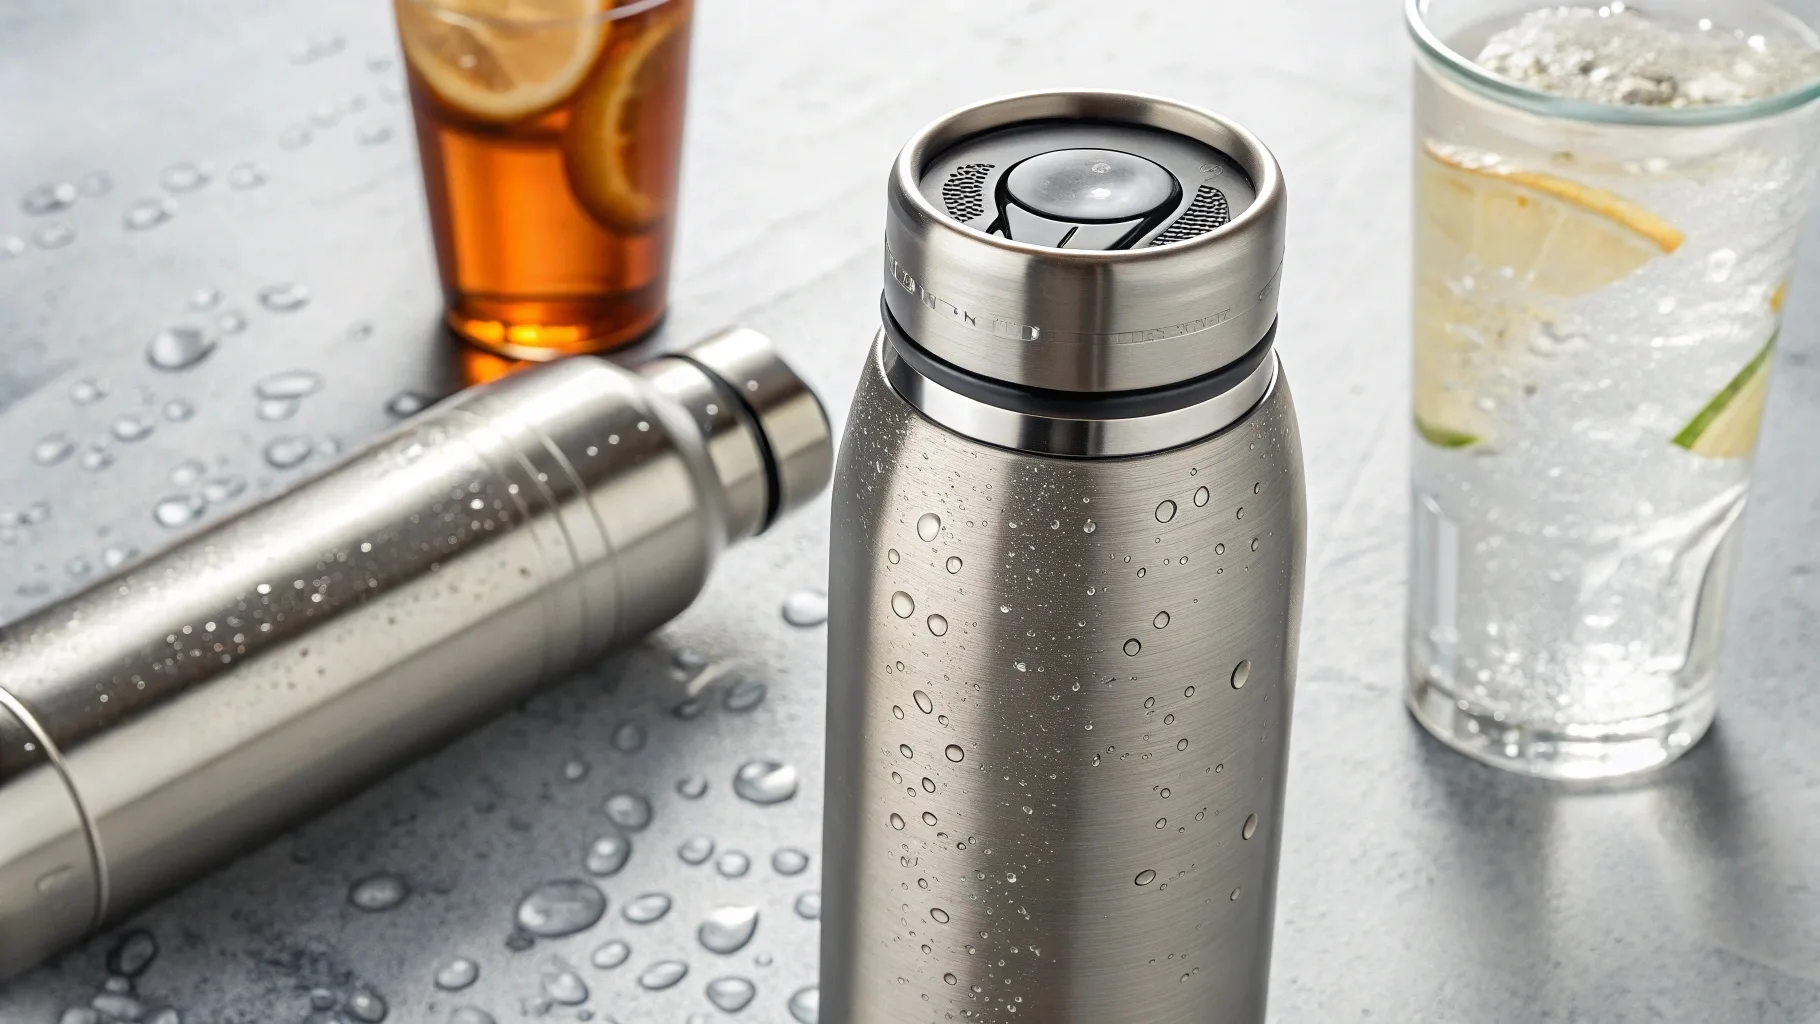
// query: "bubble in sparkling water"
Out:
[289,384]
[610,954]
[630,737]
[902,604]
[806,608]
[731,994]
[606,854]
[184,177]
[1251,826]
[647,908]
[1161,620]
[809,905]
[54,236]
[177,511]
[456,974]
[691,787]
[52,449]
[132,427]
[629,811]
[471,1015]
[132,954]
[1165,511]
[726,930]
[1240,674]
[765,782]
[954,563]
[48,198]
[924,702]
[1145,877]
[288,451]
[561,907]
[406,403]
[564,986]
[284,298]
[938,625]
[744,695]
[663,974]
[789,861]
[148,213]
[246,176]
[1132,647]
[376,893]
[929,526]
[696,849]
[954,752]
[367,1005]
[733,864]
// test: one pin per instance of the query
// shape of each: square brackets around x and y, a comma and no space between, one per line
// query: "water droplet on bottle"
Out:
[146,214]
[691,787]
[52,449]
[367,1006]
[178,511]
[1165,511]
[1145,877]
[1161,620]
[1132,647]
[1201,495]
[897,712]
[897,821]
[731,994]
[954,752]
[630,737]
[377,893]
[733,864]
[54,236]
[929,526]
[744,695]
[938,625]
[902,604]
[1251,826]
[727,930]
[929,818]
[647,908]
[471,1015]
[1254,543]
[284,298]
[1235,894]
[1241,673]
[806,608]
[923,702]
[928,784]
[178,348]
[406,403]
[610,954]
[373,134]
[904,749]
[789,861]
[938,915]
[950,979]
[806,1005]
[607,854]
[809,905]
[765,782]
[288,451]
[457,974]
[696,850]
[628,810]
[663,974]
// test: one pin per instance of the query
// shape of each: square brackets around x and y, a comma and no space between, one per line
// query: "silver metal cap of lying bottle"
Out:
[1079,241]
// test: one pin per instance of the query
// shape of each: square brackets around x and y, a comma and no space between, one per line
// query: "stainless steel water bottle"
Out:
[1066,579]
[166,718]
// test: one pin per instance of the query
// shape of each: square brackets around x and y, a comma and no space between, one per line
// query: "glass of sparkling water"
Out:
[1607,200]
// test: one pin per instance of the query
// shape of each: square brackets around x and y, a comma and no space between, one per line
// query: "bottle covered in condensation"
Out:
[1066,578]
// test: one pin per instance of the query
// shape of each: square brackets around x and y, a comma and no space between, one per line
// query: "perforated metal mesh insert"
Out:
[1208,211]
[964,193]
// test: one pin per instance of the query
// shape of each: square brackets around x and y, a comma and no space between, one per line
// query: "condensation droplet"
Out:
[733,864]
[284,298]
[378,893]
[288,451]
[628,810]
[456,974]
[1089,526]
[148,213]
[1165,511]
[630,737]
[1132,647]
[1145,877]
[289,384]
[929,526]
[938,625]
[938,915]
[178,348]
[731,994]
[561,907]
[954,563]
[765,782]
[181,510]
[184,177]
[52,449]
[892,556]
[806,1005]
[902,604]
[789,861]
[1240,674]
[924,702]
[645,909]
[606,855]
[662,975]
[1251,826]
[744,695]
[1201,495]
[809,905]
[954,752]
[610,954]
[806,608]
[1161,620]
[726,930]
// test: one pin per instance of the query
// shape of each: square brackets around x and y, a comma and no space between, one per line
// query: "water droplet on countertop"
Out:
[132,427]
[809,905]
[765,782]
[457,974]
[733,864]
[471,1015]
[373,134]
[181,510]
[691,787]
[52,449]
[177,410]
[902,604]
[954,752]
[231,322]
[806,608]
[187,472]
[132,953]
[610,954]
[744,695]
[113,1006]
[289,384]
[574,769]
[296,136]
[204,299]
[929,526]
[731,994]
[377,893]
[1240,674]
[628,811]
[146,214]
[178,348]
[630,737]
[788,860]
[11,247]
[406,403]
[96,459]
[284,298]
[48,198]
[561,907]
[87,391]
[366,1005]
[564,987]
[726,930]
[288,451]
[607,854]
[806,1005]
[186,176]
[663,974]
[696,849]
[246,176]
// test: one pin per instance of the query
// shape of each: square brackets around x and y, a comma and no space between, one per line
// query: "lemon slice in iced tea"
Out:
[1549,237]
[620,160]
[501,60]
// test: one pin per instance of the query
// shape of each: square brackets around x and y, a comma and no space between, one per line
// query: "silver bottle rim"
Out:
[1081,435]
[1016,312]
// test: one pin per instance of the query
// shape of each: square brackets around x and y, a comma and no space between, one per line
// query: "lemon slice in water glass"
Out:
[501,60]
[619,160]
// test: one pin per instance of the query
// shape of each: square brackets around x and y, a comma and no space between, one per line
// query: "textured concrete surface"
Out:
[1416,886]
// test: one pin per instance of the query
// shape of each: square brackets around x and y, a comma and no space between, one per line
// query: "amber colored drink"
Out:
[550,133]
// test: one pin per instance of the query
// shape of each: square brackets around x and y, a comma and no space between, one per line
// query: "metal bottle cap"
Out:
[1085,241]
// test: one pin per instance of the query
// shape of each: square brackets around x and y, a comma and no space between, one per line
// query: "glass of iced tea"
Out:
[551,134]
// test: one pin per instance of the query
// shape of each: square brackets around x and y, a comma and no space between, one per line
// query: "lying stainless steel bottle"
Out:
[1066,579]
[167,718]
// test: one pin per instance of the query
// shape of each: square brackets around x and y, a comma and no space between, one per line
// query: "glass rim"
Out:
[1498,87]
[616,13]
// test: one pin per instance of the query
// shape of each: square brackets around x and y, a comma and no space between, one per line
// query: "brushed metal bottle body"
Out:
[1061,800]
[168,717]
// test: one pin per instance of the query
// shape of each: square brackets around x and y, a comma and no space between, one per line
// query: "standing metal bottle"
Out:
[1066,578]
